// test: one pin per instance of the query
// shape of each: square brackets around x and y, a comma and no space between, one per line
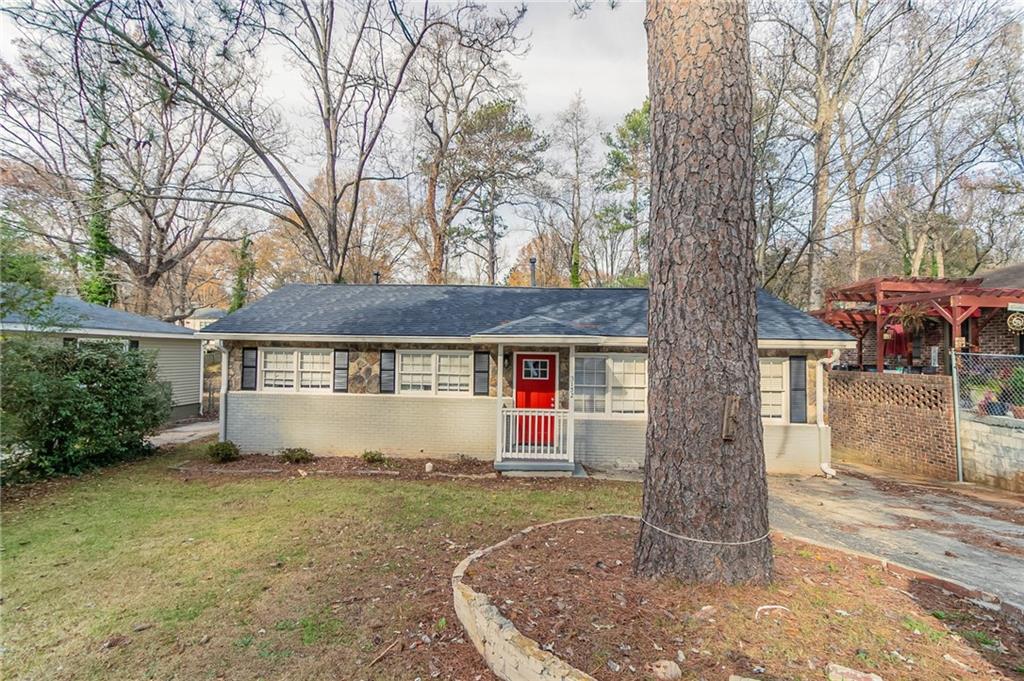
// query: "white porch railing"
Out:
[534,434]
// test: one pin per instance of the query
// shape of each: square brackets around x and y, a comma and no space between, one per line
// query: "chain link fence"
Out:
[989,385]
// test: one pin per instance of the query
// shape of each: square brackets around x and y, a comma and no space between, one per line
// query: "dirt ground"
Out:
[570,587]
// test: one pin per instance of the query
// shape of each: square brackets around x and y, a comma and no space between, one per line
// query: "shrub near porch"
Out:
[308,577]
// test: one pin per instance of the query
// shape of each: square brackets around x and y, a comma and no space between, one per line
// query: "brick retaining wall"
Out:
[899,422]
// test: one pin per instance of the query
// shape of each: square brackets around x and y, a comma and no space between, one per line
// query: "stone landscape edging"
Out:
[513,656]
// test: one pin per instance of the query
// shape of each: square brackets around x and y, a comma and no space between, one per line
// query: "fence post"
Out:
[956,417]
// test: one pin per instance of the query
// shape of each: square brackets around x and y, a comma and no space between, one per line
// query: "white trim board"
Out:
[600,341]
[117,333]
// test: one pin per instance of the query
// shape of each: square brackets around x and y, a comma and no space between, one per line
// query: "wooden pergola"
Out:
[876,300]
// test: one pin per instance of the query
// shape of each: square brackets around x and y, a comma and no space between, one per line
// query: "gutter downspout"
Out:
[824,444]
[223,416]
[202,377]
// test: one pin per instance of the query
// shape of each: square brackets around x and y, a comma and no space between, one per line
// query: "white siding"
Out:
[177,364]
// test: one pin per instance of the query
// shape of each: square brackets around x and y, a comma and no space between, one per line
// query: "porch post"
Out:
[499,435]
[571,426]
[223,416]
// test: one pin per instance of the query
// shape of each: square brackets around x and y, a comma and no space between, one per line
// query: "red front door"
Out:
[536,381]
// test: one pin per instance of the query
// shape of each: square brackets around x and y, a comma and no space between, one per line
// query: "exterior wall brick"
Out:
[345,424]
[995,337]
[620,445]
[900,422]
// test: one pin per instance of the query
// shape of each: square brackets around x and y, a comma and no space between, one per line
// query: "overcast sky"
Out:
[603,54]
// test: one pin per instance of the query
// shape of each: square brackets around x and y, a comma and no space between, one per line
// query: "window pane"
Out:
[535,368]
[591,384]
[315,367]
[278,369]
[453,373]
[416,371]
[387,371]
[629,385]
[772,388]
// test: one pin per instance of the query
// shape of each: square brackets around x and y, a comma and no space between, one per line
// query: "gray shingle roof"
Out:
[463,311]
[72,313]
[1011,276]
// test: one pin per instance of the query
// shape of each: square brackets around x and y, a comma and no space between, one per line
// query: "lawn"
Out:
[139,572]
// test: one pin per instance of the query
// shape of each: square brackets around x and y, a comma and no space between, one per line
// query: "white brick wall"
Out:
[609,445]
[447,426]
[351,424]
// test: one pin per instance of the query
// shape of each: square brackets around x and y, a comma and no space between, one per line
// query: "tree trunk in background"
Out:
[703,309]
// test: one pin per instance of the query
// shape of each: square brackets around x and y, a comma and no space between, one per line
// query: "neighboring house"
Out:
[203,317]
[178,350]
[534,378]
[976,313]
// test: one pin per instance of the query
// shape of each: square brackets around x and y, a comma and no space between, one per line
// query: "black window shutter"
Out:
[341,371]
[387,371]
[133,345]
[250,359]
[798,389]
[481,373]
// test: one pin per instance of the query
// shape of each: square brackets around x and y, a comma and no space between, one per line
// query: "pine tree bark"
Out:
[703,306]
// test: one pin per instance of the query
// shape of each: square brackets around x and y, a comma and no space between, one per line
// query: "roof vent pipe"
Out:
[376,277]
[533,272]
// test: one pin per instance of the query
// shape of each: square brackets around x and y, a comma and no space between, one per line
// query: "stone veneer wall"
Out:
[363,361]
[900,422]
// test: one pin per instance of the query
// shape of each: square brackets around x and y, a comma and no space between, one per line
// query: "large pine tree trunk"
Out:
[703,329]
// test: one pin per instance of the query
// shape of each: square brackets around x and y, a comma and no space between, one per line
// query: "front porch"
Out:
[535,426]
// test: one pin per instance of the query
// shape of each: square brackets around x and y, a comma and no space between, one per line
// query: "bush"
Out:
[223,452]
[372,456]
[66,409]
[296,455]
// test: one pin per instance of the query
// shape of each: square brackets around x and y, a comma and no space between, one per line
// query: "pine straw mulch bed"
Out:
[570,587]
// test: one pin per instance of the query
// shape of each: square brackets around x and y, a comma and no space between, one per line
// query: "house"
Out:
[202,318]
[914,320]
[178,350]
[533,378]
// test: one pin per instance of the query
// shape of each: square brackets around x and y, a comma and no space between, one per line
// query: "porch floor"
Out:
[540,466]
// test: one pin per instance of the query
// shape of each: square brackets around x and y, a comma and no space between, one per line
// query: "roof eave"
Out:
[89,331]
[619,341]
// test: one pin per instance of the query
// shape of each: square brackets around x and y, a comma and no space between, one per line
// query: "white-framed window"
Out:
[296,369]
[629,384]
[435,372]
[416,372]
[611,384]
[591,384]
[774,375]
[315,369]
[454,372]
[278,369]
[536,369]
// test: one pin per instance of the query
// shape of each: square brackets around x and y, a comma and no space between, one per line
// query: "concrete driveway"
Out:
[178,435]
[963,532]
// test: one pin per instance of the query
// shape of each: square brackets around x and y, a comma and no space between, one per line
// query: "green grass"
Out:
[918,627]
[247,578]
[979,637]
